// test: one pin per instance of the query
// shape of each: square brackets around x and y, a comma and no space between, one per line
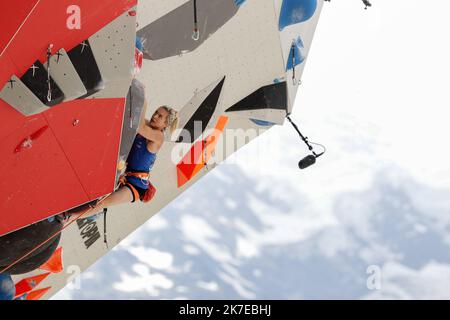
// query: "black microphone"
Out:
[310,159]
[307,161]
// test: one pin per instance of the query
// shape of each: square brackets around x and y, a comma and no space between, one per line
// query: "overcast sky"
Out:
[377,80]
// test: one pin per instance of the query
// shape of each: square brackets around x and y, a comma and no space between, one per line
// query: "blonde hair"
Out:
[172,119]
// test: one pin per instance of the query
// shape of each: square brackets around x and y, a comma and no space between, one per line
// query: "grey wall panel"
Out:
[21,98]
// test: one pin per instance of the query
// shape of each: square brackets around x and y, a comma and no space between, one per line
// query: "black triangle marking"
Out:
[203,114]
[273,96]
[86,66]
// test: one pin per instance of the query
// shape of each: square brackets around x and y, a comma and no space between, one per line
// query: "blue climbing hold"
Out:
[297,48]
[239,2]
[7,287]
[139,44]
[93,217]
[296,11]
[278,80]
[262,123]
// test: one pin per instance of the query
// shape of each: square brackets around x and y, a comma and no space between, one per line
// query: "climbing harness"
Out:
[144,176]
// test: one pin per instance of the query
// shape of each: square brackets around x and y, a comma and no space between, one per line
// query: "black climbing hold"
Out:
[203,115]
[273,96]
[15,245]
[84,62]
[36,80]
[133,109]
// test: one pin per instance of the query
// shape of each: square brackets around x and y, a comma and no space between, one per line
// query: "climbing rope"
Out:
[70,222]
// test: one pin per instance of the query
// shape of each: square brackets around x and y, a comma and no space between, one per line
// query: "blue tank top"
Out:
[140,160]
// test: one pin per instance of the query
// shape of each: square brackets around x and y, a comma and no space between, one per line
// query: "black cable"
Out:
[196,34]
[293,62]
[305,139]
[105,210]
[321,145]
[195,12]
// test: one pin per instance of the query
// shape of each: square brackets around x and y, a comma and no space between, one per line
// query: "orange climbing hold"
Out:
[37,294]
[28,284]
[199,154]
[54,264]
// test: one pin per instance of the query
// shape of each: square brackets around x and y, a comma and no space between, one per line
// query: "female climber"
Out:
[134,183]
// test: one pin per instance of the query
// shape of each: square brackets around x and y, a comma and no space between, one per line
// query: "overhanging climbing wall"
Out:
[237,68]
[63,98]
